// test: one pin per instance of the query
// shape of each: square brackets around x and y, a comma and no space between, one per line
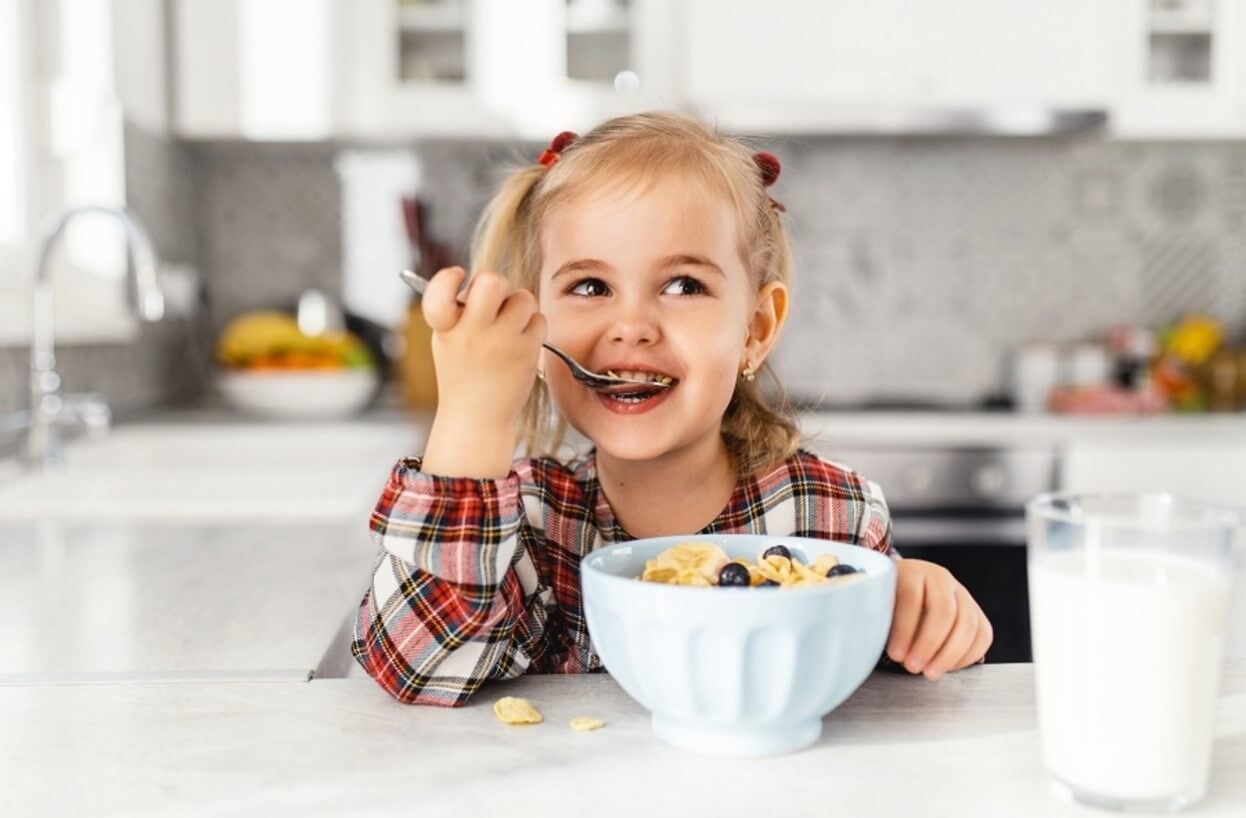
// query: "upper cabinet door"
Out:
[505,68]
[423,68]
[782,61]
[256,70]
[398,69]
[1183,70]
[610,57]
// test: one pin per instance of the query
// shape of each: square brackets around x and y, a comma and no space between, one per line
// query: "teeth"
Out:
[640,376]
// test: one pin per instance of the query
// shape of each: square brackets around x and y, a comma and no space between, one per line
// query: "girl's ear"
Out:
[766,322]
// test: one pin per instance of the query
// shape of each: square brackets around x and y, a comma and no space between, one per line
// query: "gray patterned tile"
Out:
[1179,274]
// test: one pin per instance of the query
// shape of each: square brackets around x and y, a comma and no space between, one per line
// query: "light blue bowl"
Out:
[737,671]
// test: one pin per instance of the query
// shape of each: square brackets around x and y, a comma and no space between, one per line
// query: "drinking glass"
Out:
[1128,610]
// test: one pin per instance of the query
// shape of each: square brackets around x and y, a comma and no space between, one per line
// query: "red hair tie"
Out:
[556,146]
[769,166]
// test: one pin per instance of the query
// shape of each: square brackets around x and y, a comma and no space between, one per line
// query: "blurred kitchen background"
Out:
[1023,205]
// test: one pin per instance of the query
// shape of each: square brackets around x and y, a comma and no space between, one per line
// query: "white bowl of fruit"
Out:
[266,366]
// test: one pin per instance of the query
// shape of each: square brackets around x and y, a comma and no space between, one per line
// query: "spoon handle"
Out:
[419,283]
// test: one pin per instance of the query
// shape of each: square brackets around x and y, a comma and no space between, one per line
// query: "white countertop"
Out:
[998,428]
[128,601]
[963,746]
[239,614]
[897,427]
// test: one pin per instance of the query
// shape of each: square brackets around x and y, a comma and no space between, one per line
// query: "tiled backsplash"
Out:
[921,263]
[269,222]
[924,262]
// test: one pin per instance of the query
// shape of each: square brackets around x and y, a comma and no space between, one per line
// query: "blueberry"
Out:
[776,551]
[733,573]
[768,583]
[840,570]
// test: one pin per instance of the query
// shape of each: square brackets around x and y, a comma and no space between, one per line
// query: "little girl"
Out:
[647,247]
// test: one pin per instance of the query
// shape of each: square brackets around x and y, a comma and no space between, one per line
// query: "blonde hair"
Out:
[639,150]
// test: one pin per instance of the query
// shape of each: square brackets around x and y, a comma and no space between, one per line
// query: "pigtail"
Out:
[501,243]
[500,240]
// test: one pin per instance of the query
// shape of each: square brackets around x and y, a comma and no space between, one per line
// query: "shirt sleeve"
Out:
[875,528]
[447,609]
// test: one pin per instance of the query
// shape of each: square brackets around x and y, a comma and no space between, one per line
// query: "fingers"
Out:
[938,618]
[964,632]
[536,327]
[517,310]
[441,310]
[485,297]
[488,300]
[981,644]
[910,596]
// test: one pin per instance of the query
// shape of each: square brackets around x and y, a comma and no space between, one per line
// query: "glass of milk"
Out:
[1128,611]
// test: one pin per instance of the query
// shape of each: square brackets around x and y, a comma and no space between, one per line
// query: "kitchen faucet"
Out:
[49,410]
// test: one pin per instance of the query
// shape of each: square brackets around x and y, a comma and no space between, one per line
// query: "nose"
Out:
[634,323]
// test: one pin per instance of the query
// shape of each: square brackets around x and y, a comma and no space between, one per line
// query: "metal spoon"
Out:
[591,379]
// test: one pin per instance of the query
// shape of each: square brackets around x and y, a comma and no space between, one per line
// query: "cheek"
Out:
[715,365]
[712,344]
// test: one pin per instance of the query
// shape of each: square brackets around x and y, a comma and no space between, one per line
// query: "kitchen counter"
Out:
[963,746]
[164,664]
[895,427]
[1008,428]
[130,601]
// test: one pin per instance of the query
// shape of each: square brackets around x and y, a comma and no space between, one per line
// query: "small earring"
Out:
[748,374]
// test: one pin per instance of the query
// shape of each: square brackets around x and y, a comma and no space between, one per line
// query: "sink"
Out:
[235,472]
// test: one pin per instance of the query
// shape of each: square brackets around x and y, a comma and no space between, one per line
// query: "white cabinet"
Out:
[399,69]
[1211,472]
[396,69]
[1183,70]
[424,69]
[259,70]
[500,68]
[801,63]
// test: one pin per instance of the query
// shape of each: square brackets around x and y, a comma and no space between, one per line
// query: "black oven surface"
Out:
[996,578]
[964,508]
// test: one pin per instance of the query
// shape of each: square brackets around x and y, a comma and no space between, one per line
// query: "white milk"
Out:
[1127,653]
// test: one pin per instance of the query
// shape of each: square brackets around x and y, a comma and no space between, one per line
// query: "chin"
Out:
[630,447]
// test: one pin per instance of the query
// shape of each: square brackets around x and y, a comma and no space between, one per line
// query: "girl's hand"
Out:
[486,352]
[937,626]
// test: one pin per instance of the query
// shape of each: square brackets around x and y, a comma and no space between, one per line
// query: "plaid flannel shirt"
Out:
[480,579]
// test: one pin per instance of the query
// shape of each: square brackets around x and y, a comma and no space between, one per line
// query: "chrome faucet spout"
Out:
[47,406]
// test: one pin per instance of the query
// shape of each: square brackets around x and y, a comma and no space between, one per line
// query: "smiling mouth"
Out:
[639,393]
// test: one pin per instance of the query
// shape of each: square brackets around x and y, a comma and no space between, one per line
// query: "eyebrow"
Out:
[677,260]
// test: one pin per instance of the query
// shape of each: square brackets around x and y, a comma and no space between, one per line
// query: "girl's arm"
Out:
[447,608]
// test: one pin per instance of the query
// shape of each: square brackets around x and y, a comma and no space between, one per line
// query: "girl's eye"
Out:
[686,285]
[589,287]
